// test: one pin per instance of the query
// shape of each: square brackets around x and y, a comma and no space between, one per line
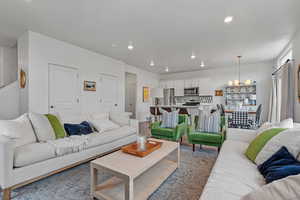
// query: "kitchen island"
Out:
[191,110]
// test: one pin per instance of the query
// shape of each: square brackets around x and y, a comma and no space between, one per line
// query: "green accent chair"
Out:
[204,138]
[172,134]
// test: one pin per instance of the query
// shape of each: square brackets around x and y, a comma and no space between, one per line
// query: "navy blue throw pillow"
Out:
[280,165]
[83,128]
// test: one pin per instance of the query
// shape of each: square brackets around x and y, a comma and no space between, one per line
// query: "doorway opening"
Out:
[130,93]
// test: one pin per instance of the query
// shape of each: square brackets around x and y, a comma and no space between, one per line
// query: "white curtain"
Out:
[283,94]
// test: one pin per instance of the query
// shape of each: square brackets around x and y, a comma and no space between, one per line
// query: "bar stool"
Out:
[155,112]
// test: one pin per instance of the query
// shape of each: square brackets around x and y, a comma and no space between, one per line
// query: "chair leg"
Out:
[193,147]
[6,194]
[181,140]
[219,148]
[200,146]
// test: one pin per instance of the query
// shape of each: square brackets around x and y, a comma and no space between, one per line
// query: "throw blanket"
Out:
[68,145]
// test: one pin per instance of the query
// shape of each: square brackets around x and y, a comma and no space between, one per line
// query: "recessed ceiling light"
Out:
[151,63]
[130,46]
[202,64]
[28,1]
[193,56]
[228,19]
[114,45]
[167,69]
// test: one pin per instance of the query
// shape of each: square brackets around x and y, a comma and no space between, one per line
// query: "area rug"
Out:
[186,183]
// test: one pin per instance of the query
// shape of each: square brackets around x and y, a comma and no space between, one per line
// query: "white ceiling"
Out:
[167,31]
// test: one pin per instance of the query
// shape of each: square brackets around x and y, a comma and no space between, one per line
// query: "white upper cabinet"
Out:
[179,88]
[170,84]
[166,84]
[163,84]
[188,83]
[195,83]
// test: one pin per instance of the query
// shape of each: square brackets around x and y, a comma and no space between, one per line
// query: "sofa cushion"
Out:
[287,188]
[100,116]
[83,128]
[289,138]
[279,165]
[32,153]
[96,139]
[57,126]
[104,125]
[168,132]
[20,130]
[120,118]
[260,141]
[42,127]
[233,175]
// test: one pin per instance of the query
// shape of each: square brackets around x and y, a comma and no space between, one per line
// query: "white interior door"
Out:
[108,93]
[64,91]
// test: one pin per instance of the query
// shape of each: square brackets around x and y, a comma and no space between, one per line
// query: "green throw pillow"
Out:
[260,141]
[56,125]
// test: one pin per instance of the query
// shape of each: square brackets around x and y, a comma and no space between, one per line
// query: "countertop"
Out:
[178,106]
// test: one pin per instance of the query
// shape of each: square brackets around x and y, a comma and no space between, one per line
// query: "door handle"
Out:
[51,106]
[116,104]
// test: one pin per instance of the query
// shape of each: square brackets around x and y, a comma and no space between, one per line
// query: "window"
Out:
[287,55]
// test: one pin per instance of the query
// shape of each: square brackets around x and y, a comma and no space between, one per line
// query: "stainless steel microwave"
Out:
[194,91]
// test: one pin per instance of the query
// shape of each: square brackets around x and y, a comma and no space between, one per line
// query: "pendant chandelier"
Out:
[238,82]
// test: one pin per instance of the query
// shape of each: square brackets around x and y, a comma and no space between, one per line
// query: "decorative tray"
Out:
[133,148]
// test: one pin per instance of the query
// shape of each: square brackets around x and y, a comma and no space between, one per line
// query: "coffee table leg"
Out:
[178,155]
[94,178]
[129,189]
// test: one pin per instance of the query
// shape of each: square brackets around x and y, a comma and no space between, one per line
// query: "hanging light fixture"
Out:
[237,82]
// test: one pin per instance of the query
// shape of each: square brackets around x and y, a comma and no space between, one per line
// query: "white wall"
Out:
[144,79]
[8,65]
[23,63]
[9,101]
[43,50]
[296,54]
[212,79]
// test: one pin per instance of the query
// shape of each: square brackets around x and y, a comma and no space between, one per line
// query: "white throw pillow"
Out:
[121,119]
[169,119]
[42,127]
[289,138]
[19,129]
[287,123]
[100,116]
[104,125]
[287,188]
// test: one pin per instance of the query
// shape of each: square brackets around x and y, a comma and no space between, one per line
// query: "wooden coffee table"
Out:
[134,177]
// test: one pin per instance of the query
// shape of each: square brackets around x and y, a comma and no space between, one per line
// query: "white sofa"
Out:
[234,175]
[22,165]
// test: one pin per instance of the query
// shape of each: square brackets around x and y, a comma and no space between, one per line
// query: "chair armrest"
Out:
[7,147]
[155,125]
[180,130]
[134,124]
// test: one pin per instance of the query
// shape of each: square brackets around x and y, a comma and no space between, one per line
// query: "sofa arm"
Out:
[134,124]
[6,161]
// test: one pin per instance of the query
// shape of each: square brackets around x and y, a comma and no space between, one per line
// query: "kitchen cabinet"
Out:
[187,83]
[195,83]
[179,88]
[166,84]
[170,84]
[163,84]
